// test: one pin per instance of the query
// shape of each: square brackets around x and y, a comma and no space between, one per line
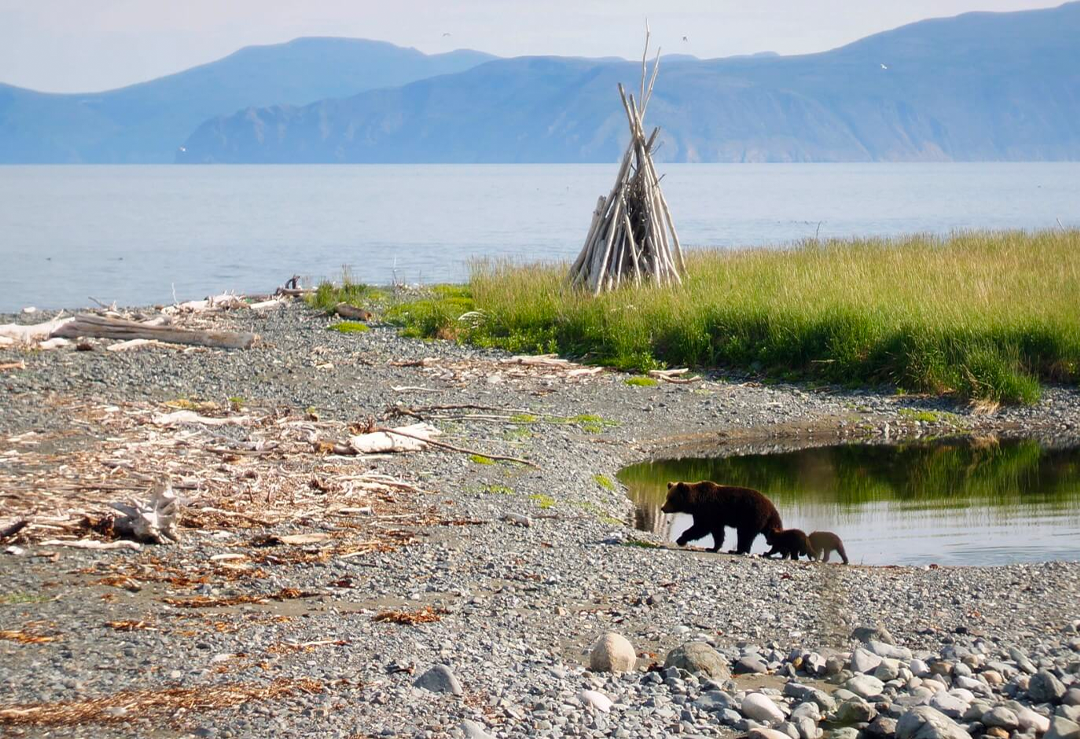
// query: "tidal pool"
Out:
[952,502]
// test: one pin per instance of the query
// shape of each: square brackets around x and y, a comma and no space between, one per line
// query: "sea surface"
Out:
[955,501]
[144,234]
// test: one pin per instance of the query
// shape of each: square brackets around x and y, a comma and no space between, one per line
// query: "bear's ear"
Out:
[670,485]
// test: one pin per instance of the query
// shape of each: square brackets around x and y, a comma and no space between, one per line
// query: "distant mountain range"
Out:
[147,122]
[980,86]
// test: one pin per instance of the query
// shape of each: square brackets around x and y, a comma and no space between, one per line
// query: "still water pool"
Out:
[951,502]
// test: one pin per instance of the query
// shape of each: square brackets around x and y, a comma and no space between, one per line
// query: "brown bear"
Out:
[715,506]
[823,543]
[789,544]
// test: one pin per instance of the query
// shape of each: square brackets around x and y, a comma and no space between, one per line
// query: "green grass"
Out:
[605,482]
[640,543]
[480,459]
[21,598]
[544,501]
[524,418]
[498,489]
[987,315]
[641,381]
[327,295]
[348,327]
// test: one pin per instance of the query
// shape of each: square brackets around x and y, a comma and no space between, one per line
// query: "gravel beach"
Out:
[463,595]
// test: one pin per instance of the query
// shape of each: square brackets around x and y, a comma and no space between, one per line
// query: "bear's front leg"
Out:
[696,531]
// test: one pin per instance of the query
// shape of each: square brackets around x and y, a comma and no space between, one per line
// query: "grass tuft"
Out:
[641,381]
[979,315]
[480,459]
[605,482]
[544,501]
[348,327]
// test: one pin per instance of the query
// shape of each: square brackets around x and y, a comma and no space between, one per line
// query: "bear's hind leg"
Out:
[746,540]
[718,538]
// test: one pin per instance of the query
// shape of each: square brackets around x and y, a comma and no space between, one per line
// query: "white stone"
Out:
[761,708]
[612,653]
[865,686]
[950,705]
[596,699]
[864,661]
[925,722]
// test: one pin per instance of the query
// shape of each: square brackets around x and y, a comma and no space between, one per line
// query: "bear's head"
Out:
[679,498]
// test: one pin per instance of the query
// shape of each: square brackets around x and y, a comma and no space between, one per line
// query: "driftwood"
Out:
[20,334]
[92,544]
[9,531]
[116,328]
[444,445]
[405,439]
[154,520]
[351,311]
[632,236]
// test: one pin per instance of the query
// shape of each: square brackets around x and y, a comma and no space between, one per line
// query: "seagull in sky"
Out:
[446,34]
[883,66]
[684,38]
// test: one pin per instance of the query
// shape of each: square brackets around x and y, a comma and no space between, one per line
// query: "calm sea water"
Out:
[137,234]
[953,501]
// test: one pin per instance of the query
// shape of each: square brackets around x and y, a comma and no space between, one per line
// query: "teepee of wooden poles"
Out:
[632,238]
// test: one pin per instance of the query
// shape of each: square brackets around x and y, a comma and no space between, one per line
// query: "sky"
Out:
[92,45]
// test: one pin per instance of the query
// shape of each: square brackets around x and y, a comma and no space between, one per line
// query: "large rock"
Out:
[949,704]
[750,665]
[807,728]
[715,700]
[1030,721]
[760,707]
[863,660]
[439,679]
[925,722]
[612,653]
[875,633]
[865,686]
[854,711]
[473,730]
[889,669]
[700,659]
[882,727]
[806,693]
[760,733]
[1062,728]
[1000,716]
[1072,697]
[1044,687]
[891,651]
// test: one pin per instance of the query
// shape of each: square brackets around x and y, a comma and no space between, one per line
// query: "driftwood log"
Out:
[117,328]
[632,237]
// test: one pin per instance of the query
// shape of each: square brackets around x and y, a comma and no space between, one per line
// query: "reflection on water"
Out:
[955,501]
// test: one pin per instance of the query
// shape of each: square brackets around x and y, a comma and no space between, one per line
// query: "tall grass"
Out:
[982,315]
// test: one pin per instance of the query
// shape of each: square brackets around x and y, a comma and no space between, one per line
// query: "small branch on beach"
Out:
[462,450]
[9,531]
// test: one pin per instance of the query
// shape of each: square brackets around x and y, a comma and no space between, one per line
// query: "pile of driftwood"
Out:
[632,237]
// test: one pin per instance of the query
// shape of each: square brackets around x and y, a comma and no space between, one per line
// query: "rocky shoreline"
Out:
[504,574]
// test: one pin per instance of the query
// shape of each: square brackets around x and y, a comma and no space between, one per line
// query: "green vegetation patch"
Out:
[984,315]
[327,295]
[498,489]
[640,543]
[348,327]
[21,598]
[480,459]
[605,482]
[544,501]
[641,381]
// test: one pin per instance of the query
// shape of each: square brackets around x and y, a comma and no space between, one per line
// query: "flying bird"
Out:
[684,38]
[446,34]
[883,66]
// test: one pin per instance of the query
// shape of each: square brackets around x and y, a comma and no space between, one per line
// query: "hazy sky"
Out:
[89,45]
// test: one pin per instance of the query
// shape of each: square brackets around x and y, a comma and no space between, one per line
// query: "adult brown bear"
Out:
[715,506]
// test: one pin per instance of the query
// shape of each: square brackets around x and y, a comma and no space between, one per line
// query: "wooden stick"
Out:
[462,450]
[647,96]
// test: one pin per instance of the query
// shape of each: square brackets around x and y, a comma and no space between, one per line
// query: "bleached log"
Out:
[155,520]
[115,328]
[404,439]
[20,334]
[91,544]
[178,418]
[53,343]
[125,346]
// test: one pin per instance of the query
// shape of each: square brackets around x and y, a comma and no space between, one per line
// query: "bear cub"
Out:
[715,506]
[789,544]
[826,542]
